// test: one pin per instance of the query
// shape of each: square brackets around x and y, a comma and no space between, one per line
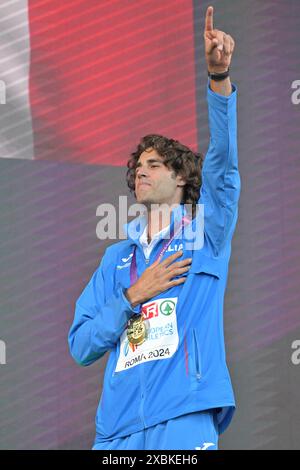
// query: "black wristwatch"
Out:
[218,76]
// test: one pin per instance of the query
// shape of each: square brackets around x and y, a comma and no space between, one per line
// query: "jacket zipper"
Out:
[142,395]
[141,248]
[197,357]
[141,367]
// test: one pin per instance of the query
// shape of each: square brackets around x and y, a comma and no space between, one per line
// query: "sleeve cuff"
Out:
[135,309]
[220,101]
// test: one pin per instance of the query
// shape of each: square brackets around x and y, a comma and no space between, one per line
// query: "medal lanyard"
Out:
[133,268]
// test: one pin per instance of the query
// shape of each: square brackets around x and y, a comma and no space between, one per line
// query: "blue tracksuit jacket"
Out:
[181,368]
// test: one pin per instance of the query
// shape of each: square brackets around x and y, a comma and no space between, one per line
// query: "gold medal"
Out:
[136,331]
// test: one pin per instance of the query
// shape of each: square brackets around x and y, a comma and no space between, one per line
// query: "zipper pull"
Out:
[147,260]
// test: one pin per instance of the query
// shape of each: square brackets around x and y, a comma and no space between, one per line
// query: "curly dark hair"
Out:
[177,157]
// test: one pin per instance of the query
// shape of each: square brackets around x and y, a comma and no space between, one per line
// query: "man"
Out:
[156,302]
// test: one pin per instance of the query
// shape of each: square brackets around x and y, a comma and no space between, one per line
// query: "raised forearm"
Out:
[222,87]
[219,48]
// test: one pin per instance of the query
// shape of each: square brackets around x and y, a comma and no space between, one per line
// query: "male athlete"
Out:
[156,300]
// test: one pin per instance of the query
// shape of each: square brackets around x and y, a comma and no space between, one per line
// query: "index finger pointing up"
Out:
[209,19]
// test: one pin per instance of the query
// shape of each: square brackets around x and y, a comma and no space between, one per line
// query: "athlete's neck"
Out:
[158,219]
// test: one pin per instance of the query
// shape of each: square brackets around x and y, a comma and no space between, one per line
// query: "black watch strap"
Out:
[218,76]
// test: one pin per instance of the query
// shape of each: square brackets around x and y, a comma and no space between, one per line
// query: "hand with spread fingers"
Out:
[219,46]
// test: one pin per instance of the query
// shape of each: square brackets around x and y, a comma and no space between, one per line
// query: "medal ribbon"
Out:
[133,268]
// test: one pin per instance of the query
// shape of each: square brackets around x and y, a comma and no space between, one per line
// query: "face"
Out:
[154,182]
